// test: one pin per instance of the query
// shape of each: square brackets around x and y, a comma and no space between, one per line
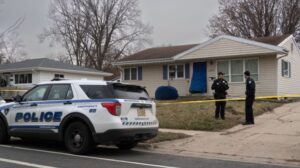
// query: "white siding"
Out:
[265,86]
[290,85]
[35,75]
[153,78]
[225,48]
[47,76]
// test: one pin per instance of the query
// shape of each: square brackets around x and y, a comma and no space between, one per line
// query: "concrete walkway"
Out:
[274,139]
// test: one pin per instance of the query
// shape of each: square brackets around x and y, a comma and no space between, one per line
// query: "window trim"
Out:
[288,70]
[244,68]
[24,76]
[130,78]
[59,75]
[176,74]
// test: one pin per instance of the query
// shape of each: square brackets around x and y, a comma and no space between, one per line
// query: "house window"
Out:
[176,71]
[133,73]
[59,76]
[127,74]
[252,66]
[237,71]
[223,66]
[286,68]
[23,78]
[234,69]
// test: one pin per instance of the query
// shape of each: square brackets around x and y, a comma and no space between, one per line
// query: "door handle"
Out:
[33,104]
[67,102]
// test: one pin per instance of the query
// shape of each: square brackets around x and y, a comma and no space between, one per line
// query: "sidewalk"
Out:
[274,139]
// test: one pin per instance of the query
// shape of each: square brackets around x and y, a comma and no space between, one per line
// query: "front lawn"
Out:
[201,116]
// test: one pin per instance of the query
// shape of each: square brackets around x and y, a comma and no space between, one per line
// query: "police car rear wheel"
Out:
[4,137]
[77,138]
[126,145]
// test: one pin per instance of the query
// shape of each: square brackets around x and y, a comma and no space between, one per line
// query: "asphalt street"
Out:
[53,155]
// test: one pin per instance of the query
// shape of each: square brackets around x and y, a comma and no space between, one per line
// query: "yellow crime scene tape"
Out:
[203,101]
[230,99]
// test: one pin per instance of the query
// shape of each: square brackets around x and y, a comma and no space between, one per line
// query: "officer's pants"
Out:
[249,109]
[220,109]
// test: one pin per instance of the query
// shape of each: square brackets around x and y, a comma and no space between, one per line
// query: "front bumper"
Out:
[119,135]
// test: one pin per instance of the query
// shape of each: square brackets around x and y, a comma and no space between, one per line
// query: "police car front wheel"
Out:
[78,139]
[4,137]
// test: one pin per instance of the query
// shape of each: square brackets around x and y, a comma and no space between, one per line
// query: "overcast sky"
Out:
[174,21]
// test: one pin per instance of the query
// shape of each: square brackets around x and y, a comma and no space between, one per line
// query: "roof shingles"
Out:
[273,40]
[158,53]
[171,51]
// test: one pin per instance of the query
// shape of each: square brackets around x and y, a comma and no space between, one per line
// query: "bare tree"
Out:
[96,32]
[11,47]
[62,58]
[256,18]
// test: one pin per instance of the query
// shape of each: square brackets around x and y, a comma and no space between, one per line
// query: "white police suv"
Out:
[82,113]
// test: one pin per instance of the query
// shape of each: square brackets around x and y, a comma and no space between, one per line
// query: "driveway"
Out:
[274,139]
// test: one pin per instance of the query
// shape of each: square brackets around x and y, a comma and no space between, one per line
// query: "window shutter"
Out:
[140,73]
[187,70]
[290,69]
[165,72]
[282,68]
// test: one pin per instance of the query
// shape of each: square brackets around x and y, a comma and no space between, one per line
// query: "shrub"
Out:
[166,93]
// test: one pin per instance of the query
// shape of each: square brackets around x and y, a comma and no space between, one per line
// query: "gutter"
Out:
[164,60]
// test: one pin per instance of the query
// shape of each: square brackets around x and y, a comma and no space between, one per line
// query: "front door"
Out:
[199,78]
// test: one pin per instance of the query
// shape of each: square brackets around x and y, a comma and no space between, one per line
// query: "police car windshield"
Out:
[118,91]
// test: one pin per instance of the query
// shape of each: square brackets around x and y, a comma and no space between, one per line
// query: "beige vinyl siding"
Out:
[153,78]
[266,84]
[290,85]
[225,48]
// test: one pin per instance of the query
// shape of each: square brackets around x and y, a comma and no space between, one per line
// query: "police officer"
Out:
[250,97]
[220,86]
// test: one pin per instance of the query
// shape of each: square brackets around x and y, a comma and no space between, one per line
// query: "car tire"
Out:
[77,138]
[127,145]
[4,137]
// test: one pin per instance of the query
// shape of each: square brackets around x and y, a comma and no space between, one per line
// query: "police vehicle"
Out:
[81,113]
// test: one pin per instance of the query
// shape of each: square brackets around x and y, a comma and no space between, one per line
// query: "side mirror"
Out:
[18,98]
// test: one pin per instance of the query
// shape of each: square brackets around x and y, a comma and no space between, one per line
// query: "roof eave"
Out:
[55,70]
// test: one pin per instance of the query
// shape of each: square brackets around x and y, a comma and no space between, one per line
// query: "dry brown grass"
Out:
[201,116]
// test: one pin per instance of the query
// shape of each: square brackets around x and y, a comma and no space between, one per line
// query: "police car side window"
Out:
[60,92]
[97,91]
[36,94]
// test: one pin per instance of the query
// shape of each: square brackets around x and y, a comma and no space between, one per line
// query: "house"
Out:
[26,73]
[272,61]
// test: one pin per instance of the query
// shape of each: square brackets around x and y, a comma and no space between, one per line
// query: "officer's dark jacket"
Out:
[250,87]
[220,86]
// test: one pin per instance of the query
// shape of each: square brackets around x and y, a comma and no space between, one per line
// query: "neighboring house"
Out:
[274,63]
[26,73]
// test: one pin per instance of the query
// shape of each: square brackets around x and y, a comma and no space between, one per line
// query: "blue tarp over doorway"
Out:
[199,78]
